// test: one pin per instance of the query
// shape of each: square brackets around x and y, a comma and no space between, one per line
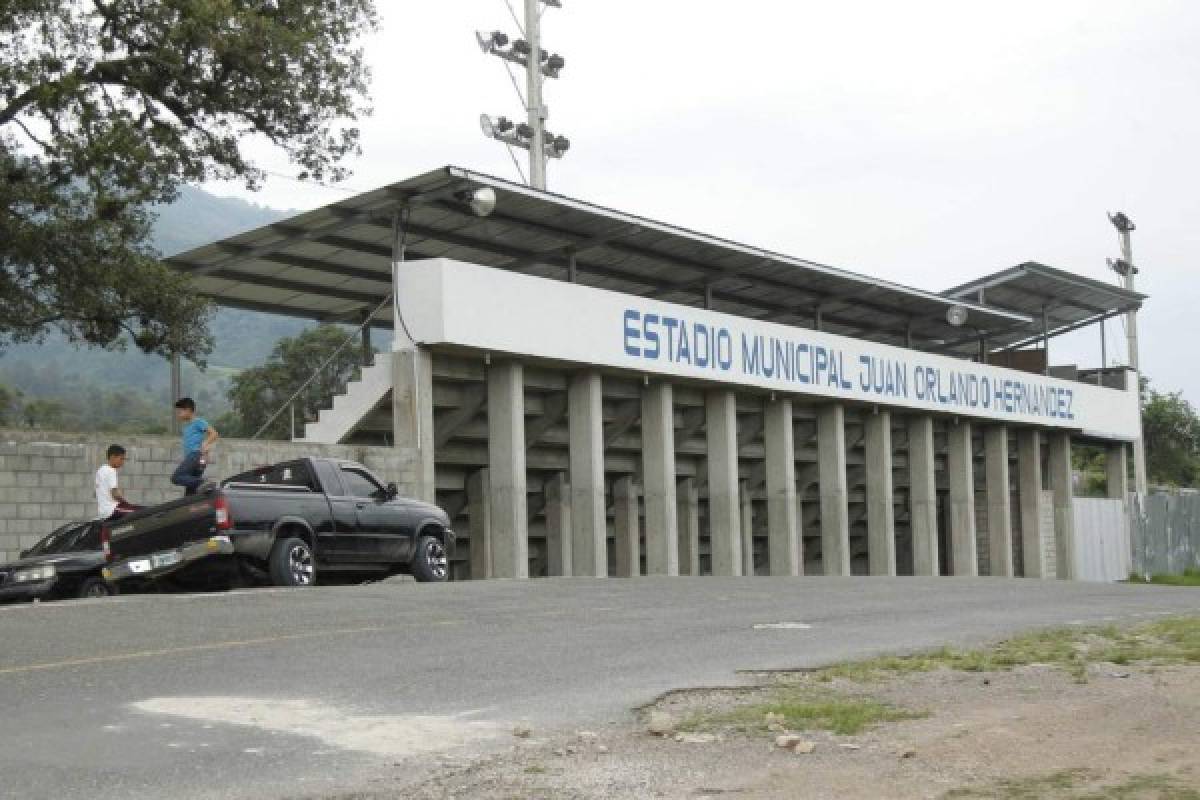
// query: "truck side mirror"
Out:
[392,491]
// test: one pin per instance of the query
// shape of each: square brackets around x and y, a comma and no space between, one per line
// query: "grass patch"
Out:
[1032,788]
[1190,577]
[1172,641]
[802,709]
[1080,784]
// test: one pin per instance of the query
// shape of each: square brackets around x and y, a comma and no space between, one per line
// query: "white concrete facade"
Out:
[597,461]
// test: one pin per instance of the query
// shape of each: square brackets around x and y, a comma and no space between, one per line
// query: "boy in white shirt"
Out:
[108,495]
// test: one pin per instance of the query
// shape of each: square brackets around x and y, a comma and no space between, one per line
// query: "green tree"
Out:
[42,414]
[10,407]
[259,392]
[1172,432]
[109,106]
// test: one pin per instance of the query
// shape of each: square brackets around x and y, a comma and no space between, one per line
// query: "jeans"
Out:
[190,473]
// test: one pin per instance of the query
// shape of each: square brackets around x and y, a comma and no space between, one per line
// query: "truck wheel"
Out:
[292,563]
[429,564]
[95,586]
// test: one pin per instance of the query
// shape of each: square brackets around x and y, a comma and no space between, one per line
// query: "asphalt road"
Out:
[272,693]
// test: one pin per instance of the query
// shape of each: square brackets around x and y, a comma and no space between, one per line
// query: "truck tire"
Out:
[292,563]
[429,563]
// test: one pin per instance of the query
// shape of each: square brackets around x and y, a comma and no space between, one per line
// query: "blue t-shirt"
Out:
[193,435]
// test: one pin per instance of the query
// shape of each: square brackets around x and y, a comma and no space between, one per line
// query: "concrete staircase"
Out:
[361,397]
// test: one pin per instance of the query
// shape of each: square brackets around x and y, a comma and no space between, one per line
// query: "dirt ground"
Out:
[1100,731]
[1030,733]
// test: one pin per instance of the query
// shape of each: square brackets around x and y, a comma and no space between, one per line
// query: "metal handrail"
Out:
[290,402]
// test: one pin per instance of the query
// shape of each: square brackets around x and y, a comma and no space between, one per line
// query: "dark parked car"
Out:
[67,563]
[292,521]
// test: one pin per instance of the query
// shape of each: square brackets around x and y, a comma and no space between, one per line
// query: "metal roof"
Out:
[1067,300]
[333,263]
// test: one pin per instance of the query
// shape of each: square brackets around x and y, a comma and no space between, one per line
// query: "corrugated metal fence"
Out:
[1165,533]
[1102,544]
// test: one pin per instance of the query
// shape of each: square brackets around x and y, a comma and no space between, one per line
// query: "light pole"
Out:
[533,82]
[538,65]
[1126,270]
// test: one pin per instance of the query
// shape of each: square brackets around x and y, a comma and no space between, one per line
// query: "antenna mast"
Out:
[538,64]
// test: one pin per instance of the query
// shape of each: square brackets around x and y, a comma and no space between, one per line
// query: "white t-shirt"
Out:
[106,481]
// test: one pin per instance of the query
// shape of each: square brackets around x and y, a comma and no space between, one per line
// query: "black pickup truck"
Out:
[294,521]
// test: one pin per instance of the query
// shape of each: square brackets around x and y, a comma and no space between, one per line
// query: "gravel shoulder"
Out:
[1093,720]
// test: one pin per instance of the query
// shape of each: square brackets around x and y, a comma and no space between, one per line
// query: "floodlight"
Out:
[1122,267]
[562,144]
[481,200]
[956,316]
[553,66]
[521,47]
[490,42]
[487,126]
[1121,222]
[524,131]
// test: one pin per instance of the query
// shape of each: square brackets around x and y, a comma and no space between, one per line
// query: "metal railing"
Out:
[290,403]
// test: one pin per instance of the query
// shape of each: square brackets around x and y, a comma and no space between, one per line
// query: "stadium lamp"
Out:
[481,200]
[1122,267]
[557,146]
[491,42]
[1121,222]
[956,316]
[553,66]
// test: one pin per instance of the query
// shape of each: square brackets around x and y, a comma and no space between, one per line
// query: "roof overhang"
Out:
[1058,301]
[334,263]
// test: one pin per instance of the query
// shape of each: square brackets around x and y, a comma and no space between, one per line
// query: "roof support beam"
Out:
[296,286]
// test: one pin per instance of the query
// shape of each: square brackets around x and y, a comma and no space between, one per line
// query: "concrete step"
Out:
[361,397]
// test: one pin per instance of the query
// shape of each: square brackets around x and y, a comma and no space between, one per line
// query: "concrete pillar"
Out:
[558,525]
[783,532]
[746,501]
[589,546]
[1029,490]
[412,414]
[506,463]
[831,471]
[688,517]
[625,519]
[479,515]
[1116,467]
[1059,465]
[964,555]
[658,479]
[922,482]
[724,516]
[999,501]
[881,512]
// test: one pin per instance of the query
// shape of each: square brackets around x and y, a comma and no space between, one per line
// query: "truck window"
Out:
[359,484]
[329,479]
[289,473]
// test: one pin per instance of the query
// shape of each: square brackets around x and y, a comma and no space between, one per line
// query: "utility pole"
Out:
[1126,270]
[538,64]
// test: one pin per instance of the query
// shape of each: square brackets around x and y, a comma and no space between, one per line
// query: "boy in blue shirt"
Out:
[198,438]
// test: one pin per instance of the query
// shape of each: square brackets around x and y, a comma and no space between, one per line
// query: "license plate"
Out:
[165,559]
[140,566]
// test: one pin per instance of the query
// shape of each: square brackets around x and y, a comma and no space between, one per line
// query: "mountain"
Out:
[103,390]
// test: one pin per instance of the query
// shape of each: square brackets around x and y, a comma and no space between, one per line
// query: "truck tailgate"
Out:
[163,527]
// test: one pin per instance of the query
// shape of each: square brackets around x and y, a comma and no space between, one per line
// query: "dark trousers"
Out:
[189,474]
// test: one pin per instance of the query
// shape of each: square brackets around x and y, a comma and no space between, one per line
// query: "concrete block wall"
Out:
[46,479]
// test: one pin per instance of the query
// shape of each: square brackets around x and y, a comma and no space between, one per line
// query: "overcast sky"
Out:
[923,142]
